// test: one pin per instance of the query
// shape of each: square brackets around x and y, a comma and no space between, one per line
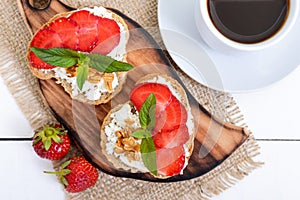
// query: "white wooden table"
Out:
[272,114]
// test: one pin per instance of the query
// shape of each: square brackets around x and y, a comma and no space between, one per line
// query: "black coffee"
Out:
[248,21]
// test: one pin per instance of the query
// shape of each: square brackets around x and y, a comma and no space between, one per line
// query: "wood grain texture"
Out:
[214,141]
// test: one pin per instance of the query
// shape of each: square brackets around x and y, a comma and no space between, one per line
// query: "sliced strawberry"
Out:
[171,161]
[140,93]
[108,35]
[171,139]
[171,117]
[44,38]
[67,30]
[87,29]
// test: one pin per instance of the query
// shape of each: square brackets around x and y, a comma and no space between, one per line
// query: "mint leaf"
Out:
[60,57]
[148,152]
[147,120]
[106,64]
[82,71]
[152,116]
[141,133]
[63,57]
[147,112]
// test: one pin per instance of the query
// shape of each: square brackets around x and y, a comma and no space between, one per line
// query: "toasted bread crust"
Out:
[48,74]
[184,100]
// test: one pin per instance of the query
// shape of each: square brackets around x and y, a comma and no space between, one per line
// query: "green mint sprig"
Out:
[147,121]
[63,57]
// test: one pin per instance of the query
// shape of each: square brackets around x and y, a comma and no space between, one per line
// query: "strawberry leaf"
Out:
[64,181]
[65,171]
[60,57]
[148,152]
[47,144]
[65,164]
[147,112]
[36,138]
[56,138]
[82,71]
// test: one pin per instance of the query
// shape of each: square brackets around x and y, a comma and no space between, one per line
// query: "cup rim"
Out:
[275,38]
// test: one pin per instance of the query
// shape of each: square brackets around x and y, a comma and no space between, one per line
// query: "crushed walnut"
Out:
[71,71]
[95,77]
[127,144]
[108,79]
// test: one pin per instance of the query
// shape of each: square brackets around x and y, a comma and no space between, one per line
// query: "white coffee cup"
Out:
[218,41]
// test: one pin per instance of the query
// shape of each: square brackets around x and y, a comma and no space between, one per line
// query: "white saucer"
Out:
[239,72]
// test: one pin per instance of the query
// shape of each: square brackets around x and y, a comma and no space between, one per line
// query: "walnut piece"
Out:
[108,79]
[127,144]
[71,71]
[94,76]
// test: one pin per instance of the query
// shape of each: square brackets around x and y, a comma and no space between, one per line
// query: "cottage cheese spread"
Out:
[118,123]
[93,91]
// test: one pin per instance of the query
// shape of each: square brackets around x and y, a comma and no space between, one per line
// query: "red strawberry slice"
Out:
[108,36]
[172,116]
[87,29]
[140,93]
[67,30]
[170,162]
[171,139]
[44,38]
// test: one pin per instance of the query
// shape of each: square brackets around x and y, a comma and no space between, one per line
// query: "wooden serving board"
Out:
[214,141]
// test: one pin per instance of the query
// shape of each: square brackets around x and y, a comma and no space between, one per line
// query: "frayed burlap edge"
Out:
[24,88]
[13,66]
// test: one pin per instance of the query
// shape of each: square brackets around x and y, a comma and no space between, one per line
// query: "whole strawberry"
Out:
[77,174]
[51,142]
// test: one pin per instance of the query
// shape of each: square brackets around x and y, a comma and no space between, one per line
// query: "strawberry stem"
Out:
[62,173]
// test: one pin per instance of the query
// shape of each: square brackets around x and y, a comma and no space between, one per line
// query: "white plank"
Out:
[22,177]
[273,112]
[12,121]
[277,179]
[21,174]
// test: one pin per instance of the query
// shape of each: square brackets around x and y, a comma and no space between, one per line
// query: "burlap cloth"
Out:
[23,86]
